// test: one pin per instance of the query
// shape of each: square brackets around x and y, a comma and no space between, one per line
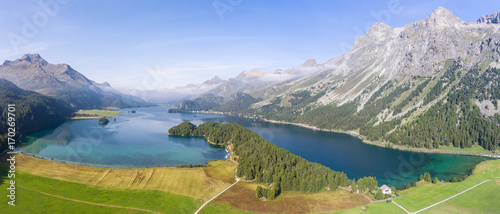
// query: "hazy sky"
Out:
[163,44]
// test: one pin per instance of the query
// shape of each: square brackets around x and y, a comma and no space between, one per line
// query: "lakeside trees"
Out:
[33,111]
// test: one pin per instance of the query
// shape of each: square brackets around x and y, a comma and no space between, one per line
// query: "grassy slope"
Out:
[483,198]
[95,113]
[144,199]
[424,195]
[240,197]
[96,185]
[190,182]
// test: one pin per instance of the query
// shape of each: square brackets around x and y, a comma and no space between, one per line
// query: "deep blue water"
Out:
[343,152]
[141,139]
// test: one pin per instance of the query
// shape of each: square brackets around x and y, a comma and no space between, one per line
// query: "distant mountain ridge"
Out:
[32,72]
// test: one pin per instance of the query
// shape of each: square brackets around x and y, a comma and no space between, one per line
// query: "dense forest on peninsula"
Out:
[266,163]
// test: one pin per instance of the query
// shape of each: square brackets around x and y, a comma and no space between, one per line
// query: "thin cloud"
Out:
[162,43]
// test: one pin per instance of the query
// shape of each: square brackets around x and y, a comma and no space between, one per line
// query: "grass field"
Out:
[191,182]
[95,113]
[171,190]
[482,199]
[378,207]
[149,189]
[241,197]
[488,193]
[28,201]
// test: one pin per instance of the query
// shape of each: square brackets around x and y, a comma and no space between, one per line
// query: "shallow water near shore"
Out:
[140,139]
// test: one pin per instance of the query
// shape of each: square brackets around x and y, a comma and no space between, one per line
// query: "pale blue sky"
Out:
[126,42]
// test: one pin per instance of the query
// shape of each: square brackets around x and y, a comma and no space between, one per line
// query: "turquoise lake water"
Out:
[140,139]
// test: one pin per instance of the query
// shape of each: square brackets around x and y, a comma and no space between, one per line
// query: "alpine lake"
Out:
[140,140]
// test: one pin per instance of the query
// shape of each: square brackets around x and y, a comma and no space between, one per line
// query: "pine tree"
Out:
[259,192]
[427,177]
[435,181]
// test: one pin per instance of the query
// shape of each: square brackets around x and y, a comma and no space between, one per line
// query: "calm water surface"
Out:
[135,139]
[141,139]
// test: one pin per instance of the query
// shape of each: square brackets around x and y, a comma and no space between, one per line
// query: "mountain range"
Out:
[32,72]
[390,86]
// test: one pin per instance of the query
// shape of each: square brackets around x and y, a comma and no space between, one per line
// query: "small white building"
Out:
[385,189]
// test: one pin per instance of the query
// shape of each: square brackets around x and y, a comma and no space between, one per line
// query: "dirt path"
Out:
[237,180]
[91,203]
[400,207]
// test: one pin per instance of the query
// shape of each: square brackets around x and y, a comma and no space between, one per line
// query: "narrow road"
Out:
[452,196]
[442,200]
[423,150]
[237,179]
[91,203]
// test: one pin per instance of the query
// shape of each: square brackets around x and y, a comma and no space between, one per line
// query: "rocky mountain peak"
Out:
[442,17]
[104,84]
[34,58]
[309,63]
[379,26]
[213,81]
[490,19]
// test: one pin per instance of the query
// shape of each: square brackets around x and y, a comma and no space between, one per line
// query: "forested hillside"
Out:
[457,120]
[33,111]
[235,103]
[265,162]
[421,112]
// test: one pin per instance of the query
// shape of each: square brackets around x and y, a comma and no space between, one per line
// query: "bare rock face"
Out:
[490,19]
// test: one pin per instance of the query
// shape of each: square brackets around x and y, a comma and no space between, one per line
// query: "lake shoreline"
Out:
[355,134]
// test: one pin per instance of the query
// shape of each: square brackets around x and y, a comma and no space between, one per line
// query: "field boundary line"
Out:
[152,173]
[451,197]
[135,177]
[86,202]
[105,174]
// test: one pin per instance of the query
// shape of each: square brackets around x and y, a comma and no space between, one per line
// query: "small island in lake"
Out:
[103,121]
